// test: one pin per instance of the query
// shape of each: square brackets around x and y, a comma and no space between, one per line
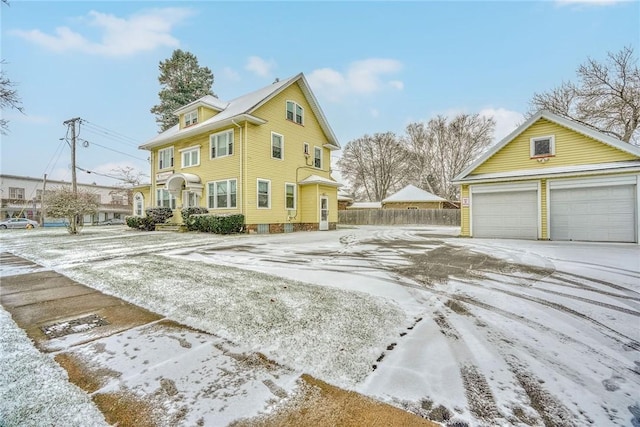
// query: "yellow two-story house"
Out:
[266,155]
[553,179]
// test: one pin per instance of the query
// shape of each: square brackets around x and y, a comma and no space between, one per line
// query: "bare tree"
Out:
[440,149]
[62,202]
[8,98]
[373,165]
[606,97]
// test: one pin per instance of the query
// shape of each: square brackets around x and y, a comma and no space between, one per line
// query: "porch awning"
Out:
[190,181]
[315,179]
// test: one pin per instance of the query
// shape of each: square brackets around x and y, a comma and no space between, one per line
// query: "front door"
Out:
[324,213]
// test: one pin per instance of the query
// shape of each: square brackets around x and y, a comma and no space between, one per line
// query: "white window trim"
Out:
[190,114]
[305,149]
[232,144]
[315,147]
[186,151]
[295,196]
[173,204]
[258,193]
[552,146]
[215,196]
[172,156]
[295,109]
[281,146]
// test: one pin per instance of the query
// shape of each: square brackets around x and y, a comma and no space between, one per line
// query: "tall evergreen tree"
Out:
[182,81]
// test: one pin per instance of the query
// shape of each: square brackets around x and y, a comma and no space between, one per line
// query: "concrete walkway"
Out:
[144,370]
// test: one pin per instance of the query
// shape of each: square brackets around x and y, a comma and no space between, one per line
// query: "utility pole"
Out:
[72,124]
[42,206]
[73,227]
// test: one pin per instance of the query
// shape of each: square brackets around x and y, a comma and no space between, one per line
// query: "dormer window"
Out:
[191,118]
[295,112]
[543,146]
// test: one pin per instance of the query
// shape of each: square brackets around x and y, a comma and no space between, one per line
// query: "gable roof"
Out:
[411,193]
[554,118]
[242,109]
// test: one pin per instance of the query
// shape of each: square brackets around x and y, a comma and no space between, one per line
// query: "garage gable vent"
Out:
[543,146]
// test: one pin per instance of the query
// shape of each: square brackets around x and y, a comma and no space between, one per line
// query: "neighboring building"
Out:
[365,205]
[412,197]
[553,179]
[22,197]
[265,155]
[344,199]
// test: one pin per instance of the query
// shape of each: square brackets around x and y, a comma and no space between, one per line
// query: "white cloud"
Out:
[259,66]
[375,113]
[361,78]
[506,120]
[140,32]
[230,74]
[397,84]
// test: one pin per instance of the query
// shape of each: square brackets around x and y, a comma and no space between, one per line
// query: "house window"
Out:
[164,199]
[38,194]
[138,205]
[221,144]
[543,146]
[191,118]
[290,196]
[295,112]
[165,158]
[16,193]
[264,194]
[190,157]
[305,149]
[317,157]
[222,194]
[117,199]
[190,199]
[277,146]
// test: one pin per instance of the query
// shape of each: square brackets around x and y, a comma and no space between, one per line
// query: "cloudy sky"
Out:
[374,66]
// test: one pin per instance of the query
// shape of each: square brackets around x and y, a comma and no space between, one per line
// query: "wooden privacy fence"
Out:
[400,217]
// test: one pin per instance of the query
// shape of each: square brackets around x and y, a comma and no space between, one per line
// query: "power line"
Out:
[106,175]
[84,141]
[92,127]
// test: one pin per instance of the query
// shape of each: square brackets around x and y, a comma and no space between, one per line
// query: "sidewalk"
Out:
[144,370]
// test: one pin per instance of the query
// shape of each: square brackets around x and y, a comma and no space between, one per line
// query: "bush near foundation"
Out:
[218,224]
[188,216]
[148,223]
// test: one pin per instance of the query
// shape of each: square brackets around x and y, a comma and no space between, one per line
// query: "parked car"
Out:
[18,223]
[113,221]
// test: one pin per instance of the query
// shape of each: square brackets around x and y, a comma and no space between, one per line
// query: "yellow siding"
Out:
[464,213]
[251,160]
[571,148]
[293,167]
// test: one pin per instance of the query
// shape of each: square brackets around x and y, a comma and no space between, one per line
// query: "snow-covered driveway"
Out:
[487,332]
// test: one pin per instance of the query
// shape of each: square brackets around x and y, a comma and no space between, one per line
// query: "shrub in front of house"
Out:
[218,224]
[148,223]
[141,223]
[188,216]
[159,215]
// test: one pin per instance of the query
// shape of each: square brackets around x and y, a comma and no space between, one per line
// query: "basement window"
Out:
[543,146]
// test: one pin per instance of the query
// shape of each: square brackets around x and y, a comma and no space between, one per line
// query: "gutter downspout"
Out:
[241,169]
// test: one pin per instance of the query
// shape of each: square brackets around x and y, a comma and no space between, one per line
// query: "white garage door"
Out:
[596,214]
[511,215]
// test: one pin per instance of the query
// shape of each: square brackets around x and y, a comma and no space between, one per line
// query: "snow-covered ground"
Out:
[488,332]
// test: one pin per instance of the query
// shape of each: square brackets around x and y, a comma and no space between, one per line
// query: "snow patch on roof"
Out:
[365,205]
[411,193]
[316,179]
